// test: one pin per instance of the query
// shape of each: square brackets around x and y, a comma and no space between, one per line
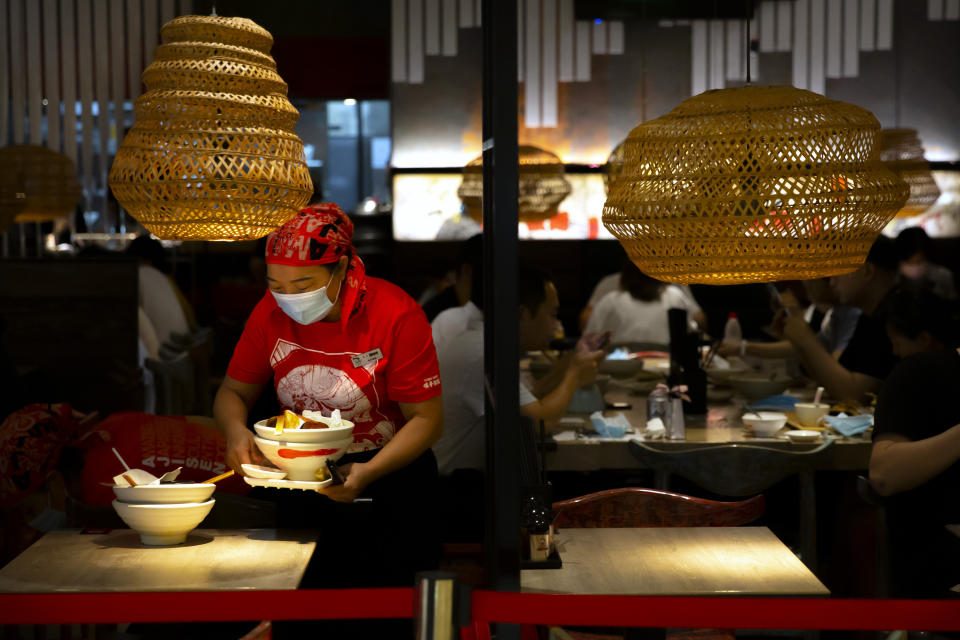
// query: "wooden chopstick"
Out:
[712,352]
[222,476]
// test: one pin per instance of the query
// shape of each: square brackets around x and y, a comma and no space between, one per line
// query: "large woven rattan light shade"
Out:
[212,155]
[753,184]
[613,168]
[36,184]
[541,190]
[901,151]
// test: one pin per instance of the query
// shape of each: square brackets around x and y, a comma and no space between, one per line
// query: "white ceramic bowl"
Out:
[755,386]
[165,493]
[803,436]
[764,423]
[809,414]
[621,368]
[265,473]
[301,460]
[160,524]
[330,434]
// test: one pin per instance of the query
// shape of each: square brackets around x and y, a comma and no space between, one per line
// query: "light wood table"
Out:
[698,561]
[210,560]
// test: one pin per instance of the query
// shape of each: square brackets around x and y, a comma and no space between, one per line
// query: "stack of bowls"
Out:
[302,452]
[164,514]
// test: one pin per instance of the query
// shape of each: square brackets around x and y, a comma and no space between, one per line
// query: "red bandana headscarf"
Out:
[320,235]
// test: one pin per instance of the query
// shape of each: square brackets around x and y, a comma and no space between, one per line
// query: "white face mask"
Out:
[305,308]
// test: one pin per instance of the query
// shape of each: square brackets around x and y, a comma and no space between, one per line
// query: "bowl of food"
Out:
[312,426]
[162,524]
[764,423]
[165,493]
[302,460]
[803,436]
[755,386]
[809,413]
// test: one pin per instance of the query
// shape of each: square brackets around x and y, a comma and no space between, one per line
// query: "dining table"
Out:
[577,449]
[674,561]
[74,560]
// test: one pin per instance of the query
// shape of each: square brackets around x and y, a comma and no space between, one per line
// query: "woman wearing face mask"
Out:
[331,338]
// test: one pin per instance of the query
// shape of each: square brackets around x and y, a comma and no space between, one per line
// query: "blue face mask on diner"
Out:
[305,308]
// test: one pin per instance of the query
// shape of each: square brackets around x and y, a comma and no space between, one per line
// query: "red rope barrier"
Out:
[715,612]
[205,606]
[487,607]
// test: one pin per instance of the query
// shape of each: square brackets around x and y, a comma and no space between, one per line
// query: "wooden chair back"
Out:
[638,507]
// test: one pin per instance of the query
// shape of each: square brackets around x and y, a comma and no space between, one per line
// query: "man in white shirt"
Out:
[450,323]
[461,371]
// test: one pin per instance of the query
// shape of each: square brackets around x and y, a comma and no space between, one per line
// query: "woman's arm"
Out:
[898,464]
[424,426]
[230,409]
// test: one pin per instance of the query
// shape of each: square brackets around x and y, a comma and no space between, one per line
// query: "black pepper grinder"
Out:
[685,362]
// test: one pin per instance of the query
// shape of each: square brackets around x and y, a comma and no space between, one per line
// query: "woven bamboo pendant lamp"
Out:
[36,184]
[212,155]
[542,185]
[613,168]
[901,151]
[753,184]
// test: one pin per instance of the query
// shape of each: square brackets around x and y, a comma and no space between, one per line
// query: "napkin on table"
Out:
[610,426]
[850,425]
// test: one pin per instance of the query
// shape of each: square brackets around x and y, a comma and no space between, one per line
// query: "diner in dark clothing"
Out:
[918,405]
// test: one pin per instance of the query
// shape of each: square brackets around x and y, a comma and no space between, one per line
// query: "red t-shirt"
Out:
[156,444]
[384,357]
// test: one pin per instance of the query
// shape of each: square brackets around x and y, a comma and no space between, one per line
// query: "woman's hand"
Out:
[241,449]
[354,482]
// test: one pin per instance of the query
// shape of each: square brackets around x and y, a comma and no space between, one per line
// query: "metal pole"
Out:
[500,297]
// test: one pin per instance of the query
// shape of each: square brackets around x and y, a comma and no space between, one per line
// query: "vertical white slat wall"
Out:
[548,67]
[851,39]
[85,76]
[18,83]
[398,40]
[717,46]
[51,75]
[582,37]
[466,14]
[884,25]
[34,72]
[801,42]
[736,47]
[101,93]
[4,65]
[431,27]
[784,15]
[449,39]
[698,61]
[531,94]
[565,45]
[73,65]
[415,72]
[868,25]
[151,30]
[818,61]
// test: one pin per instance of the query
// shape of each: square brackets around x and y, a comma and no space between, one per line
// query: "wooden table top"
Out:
[698,561]
[721,424]
[210,560]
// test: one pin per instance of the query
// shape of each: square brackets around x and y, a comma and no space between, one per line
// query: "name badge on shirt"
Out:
[364,359]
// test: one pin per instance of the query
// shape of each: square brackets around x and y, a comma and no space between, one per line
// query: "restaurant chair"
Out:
[738,470]
[639,507]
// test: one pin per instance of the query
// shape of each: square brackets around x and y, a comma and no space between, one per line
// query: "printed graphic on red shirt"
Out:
[323,381]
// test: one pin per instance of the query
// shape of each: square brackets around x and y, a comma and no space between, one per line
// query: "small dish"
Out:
[266,473]
[803,436]
[287,484]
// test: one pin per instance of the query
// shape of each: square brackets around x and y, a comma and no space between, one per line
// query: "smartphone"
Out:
[334,472]
[604,340]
